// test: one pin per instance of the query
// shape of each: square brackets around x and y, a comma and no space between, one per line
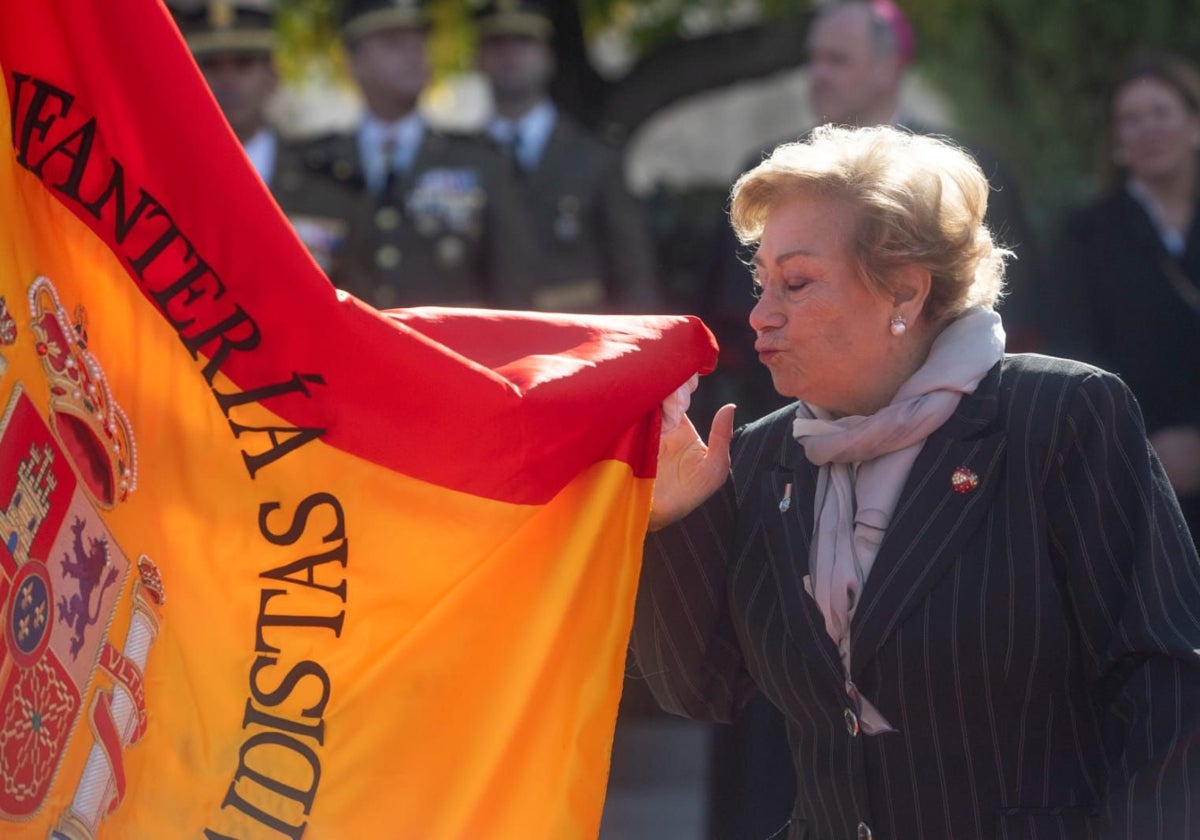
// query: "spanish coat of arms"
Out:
[63,577]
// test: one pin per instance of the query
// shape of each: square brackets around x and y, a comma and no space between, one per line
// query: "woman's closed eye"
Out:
[786,285]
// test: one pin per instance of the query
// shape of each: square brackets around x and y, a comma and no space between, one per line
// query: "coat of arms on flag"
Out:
[63,576]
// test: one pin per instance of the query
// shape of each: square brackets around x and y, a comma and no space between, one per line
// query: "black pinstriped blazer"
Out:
[1034,640]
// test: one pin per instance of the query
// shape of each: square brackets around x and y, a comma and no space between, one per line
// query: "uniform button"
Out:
[385,297]
[387,257]
[851,722]
[864,832]
[450,251]
[387,218]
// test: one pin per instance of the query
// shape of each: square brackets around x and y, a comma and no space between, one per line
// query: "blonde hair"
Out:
[918,200]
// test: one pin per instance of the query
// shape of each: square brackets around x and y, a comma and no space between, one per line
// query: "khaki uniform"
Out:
[452,231]
[594,249]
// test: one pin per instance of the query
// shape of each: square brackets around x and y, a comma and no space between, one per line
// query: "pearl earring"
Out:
[898,325]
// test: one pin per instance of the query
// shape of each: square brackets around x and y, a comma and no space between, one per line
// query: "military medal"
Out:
[387,218]
[387,257]
[450,251]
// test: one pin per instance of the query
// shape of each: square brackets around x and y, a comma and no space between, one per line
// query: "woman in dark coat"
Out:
[1131,263]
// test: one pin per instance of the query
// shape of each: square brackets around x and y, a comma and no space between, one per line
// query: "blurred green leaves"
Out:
[1030,78]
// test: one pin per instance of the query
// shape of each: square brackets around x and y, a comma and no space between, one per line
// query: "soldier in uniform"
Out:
[594,249]
[233,44]
[433,217]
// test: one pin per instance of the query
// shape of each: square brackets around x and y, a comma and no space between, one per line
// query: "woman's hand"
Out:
[1178,447]
[688,470]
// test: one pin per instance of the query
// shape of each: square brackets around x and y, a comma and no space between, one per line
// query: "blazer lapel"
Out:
[429,148]
[553,157]
[788,534]
[339,158]
[932,520]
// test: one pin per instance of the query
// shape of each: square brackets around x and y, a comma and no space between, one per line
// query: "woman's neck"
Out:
[1174,194]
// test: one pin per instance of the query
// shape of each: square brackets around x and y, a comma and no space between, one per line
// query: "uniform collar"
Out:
[372,132]
[262,149]
[534,128]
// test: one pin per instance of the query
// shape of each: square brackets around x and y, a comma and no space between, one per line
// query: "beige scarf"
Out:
[864,462]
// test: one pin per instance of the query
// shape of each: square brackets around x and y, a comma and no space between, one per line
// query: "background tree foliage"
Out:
[1031,77]
[1027,78]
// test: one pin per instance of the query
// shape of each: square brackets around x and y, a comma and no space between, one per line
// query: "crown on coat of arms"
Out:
[151,580]
[87,421]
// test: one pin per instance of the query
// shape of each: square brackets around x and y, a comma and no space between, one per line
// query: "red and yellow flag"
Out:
[275,564]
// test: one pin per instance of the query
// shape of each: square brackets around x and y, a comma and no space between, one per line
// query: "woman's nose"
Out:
[765,314]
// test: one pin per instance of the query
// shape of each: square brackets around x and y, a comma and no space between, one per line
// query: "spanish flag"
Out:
[276,564]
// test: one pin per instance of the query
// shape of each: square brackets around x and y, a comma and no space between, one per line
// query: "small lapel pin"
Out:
[963,480]
[785,503]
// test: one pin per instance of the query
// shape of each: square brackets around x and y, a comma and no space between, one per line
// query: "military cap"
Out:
[226,26]
[514,17]
[362,17]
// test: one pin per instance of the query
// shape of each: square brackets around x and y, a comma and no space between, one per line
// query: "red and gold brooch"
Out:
[963,480]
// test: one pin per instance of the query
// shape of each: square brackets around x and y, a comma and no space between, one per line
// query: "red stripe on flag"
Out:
[213,252]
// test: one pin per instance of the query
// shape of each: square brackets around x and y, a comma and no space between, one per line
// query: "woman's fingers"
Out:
[675,406]
[721,433]
[688,470]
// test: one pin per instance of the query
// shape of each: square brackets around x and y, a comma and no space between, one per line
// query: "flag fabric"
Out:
[276,564]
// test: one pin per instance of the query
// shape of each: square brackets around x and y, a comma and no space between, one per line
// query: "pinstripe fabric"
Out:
[1034,640]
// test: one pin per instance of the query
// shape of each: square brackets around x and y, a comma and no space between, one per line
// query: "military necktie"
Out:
[511,147]
[391,172]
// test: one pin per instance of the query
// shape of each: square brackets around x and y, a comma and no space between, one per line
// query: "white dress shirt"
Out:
[262,150]
[531,132]
[374,136]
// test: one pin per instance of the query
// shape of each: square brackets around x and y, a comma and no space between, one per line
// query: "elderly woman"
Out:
[961,576]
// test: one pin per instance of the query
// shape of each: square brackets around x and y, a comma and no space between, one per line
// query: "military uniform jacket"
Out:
[451,231]
[1034,639]
[595,252]
[298,194]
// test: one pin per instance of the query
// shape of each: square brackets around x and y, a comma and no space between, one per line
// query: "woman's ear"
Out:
[910,289]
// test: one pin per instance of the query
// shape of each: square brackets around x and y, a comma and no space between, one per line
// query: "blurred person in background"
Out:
[1131,262]
[234,46]
[858,53]
[594,249]
[433,217]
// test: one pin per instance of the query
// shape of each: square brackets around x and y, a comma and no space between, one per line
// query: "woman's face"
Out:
[822,333]
[1155,133]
